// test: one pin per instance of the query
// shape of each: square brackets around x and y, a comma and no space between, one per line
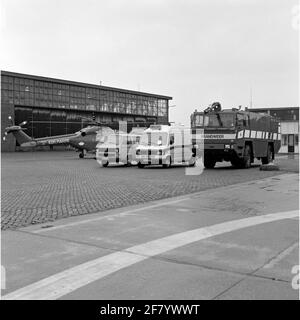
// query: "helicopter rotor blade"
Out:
[11,120]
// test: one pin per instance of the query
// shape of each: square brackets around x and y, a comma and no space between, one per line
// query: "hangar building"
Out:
[55,107]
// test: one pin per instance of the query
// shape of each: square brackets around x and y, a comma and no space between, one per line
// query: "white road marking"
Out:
[74,278]
[281,256]
[120,214]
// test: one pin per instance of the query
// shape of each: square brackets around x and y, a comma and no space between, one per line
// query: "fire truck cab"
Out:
[236,136]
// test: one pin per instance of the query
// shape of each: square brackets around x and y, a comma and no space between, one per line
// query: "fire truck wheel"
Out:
[235,163]
[141,165]
[269,157]
[168,163]
[209,163]
[247,157]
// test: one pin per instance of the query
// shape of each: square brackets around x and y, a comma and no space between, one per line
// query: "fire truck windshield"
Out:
[225,120]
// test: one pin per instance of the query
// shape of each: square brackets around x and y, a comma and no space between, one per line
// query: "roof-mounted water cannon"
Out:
[215,107]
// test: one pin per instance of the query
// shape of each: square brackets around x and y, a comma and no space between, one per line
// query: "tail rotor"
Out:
[13,127]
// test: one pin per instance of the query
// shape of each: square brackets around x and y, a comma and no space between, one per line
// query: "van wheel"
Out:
[269,157]
[141,165]
[105,164]
[168,163]
[209,163]
[128,162]
[246,162]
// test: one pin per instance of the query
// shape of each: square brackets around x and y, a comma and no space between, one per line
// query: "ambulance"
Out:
[166,145]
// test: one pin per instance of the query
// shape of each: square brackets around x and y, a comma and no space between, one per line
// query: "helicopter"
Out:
[26,141]
[84,140]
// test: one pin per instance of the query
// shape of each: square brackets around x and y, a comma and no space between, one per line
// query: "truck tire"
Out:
[269,157]
[246,161]
[209,163]
[236,163]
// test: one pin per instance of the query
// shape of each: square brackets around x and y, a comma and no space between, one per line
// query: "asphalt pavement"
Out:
[238,241]
[40,187]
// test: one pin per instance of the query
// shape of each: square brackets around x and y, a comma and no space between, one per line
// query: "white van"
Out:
[118,148]
[166,145]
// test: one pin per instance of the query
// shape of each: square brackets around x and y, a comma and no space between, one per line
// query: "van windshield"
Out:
[154,139]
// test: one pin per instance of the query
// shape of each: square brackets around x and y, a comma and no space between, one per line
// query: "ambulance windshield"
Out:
[117,139]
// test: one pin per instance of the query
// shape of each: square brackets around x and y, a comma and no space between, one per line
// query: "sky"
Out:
[197,51]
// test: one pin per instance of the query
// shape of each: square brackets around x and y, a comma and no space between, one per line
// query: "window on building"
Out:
[296,139]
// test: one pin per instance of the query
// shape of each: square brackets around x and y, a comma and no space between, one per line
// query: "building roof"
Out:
[282,113]
[82,84]
[273,108]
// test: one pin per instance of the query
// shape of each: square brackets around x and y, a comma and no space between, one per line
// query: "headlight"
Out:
[227,146]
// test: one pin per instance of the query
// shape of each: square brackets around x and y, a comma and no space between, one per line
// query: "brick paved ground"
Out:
[43,186]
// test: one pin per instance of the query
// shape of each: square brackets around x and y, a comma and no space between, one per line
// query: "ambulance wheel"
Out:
[141,165]
[246,162]
[168,163]
[269,157]
[81,155]
[209,163]
[105,164]
[192,162]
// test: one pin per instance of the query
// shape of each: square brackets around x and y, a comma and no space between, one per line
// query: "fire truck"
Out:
[236,136]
